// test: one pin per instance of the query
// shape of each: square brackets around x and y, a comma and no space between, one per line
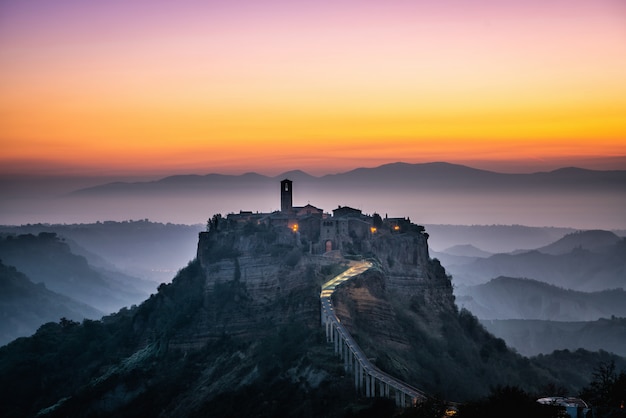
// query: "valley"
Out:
[243,316]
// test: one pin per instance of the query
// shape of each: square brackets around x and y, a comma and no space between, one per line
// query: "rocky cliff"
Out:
[401,312]
[255,280]
[237,333]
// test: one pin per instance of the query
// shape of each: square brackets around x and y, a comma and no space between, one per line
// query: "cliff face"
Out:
[268,276]
[237,332]
[373,305]
[401,312]
[255,282]
[409,273]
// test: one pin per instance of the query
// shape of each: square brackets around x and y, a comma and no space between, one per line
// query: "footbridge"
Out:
[368,379]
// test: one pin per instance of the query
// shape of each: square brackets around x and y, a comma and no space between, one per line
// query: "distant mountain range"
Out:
[535,309]
[410,177]
[584,261]
[532,337]
[594,240]
[428,193]
[515,298]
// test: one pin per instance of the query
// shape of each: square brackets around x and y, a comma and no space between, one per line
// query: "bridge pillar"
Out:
[329,328]
[397,397]
[337,338]
[342,347]
[368,392]
[350,359]
[402,399]
[325,325]
[342,343]
[356,378]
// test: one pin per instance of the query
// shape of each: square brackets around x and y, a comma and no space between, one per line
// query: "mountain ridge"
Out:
[593,240]
[523,298]
[531,337]
[437,172]
[577,269]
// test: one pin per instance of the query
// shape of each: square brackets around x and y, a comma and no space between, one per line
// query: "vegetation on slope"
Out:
[147,360]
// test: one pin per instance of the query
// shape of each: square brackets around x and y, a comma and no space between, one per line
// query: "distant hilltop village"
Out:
[311,226]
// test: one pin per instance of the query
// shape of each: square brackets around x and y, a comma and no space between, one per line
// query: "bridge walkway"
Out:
[368,379]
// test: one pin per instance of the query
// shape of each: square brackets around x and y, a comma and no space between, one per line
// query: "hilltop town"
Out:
[345,230]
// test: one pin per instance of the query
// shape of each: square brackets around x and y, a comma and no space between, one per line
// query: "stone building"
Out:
[347,229]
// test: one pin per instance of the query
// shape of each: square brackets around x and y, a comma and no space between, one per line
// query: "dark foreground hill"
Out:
[237,333]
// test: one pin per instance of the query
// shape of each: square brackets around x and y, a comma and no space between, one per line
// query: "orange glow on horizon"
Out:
[266,90]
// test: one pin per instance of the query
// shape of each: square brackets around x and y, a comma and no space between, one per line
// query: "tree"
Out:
[607,391]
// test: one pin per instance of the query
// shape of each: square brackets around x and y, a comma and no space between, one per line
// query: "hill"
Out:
[580,269]
[237,332]
[514,298]
[594,240]
[533,337]
[46,259]
[149,250]
[25,306]
[494,239]
[467,250]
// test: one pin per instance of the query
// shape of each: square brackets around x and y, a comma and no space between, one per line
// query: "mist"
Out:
[598,210]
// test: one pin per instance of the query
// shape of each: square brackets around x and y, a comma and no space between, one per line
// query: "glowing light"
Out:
[373,230]
[294,227]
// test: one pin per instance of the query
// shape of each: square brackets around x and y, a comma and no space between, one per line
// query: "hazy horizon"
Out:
[47,200]
[91,175]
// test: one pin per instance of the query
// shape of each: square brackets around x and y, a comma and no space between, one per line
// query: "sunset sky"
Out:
[158,87]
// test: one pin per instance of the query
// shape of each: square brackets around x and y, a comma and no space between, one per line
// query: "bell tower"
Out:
[286,198]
